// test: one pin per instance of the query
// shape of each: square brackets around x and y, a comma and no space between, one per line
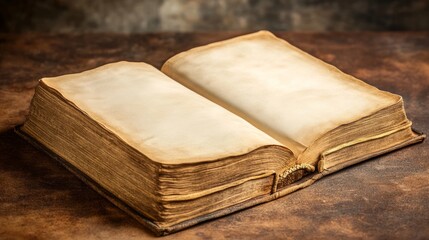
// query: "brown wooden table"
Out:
[383,198]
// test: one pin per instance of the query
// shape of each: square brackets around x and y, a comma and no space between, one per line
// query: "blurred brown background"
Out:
[131,16]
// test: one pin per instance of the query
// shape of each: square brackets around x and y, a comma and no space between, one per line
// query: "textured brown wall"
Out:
[208,15]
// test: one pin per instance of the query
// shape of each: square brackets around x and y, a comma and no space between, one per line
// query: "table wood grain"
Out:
[386,197]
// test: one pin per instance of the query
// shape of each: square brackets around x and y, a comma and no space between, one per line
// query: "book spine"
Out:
[290,175]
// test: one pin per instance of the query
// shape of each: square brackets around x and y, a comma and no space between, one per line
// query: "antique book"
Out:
[220,128]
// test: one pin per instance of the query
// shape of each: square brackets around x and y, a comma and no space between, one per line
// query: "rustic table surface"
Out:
[382,198]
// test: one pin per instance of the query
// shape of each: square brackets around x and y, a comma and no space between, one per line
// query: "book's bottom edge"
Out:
[162,230]
[94,185]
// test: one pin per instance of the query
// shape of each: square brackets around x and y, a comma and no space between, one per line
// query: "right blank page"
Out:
[280,89]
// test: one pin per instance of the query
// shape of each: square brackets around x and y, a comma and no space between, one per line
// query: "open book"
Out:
[220,128]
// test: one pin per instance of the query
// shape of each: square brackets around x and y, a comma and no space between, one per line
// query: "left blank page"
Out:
[159,117]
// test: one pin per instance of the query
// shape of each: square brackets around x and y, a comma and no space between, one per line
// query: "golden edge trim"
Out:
[321,163]
[213,190]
